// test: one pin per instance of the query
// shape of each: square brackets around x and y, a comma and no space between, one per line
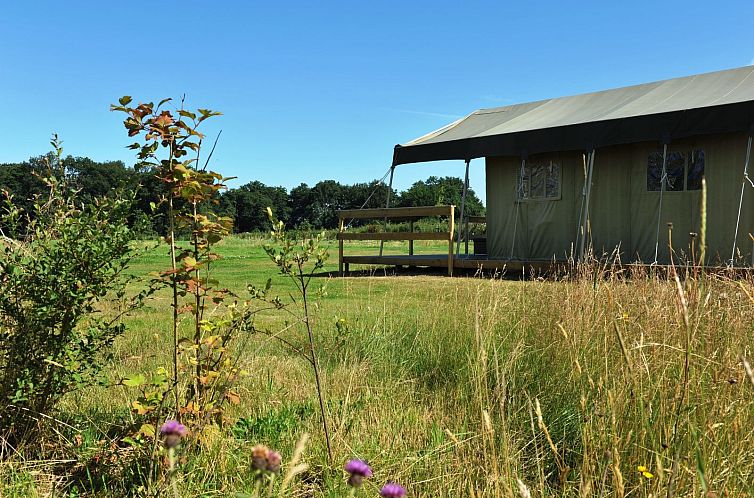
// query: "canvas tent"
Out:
[610,170]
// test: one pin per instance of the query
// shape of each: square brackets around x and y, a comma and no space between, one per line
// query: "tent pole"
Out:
[663,181]
[587,196]
[741,201]
[519,197]
[581,209]
[463,207]
[387,205]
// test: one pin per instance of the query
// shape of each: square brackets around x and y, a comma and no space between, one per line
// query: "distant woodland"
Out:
[303,207]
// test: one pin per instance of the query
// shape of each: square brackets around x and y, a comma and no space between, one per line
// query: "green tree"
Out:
[300,206]
[248,205]
[23,180]
[369,195]
[441,190]
[328,197]
[97,179]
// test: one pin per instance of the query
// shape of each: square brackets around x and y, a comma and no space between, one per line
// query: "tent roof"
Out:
[717,102]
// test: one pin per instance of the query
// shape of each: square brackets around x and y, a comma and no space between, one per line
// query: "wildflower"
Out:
[173,431]
[259,455]
[274,461]
[358,470]
[645,472]
[392,490]
[265,461]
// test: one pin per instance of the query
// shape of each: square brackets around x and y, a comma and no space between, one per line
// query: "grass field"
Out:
[458,387]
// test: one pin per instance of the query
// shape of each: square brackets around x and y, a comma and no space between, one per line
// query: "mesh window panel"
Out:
[552,186]
[538,180]
[695,170]
[654,172]
[522,185]
[675,169]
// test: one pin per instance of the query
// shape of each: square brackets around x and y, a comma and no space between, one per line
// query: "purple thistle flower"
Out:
[358,470]
[393,490]
[274,461]
[359,467]
[173,428]
[173,431]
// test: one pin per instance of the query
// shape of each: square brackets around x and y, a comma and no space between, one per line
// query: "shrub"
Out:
[61,268]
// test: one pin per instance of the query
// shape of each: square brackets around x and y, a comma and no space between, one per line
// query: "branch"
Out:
[212,151]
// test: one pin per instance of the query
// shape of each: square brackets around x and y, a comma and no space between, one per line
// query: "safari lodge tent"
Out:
[607,172]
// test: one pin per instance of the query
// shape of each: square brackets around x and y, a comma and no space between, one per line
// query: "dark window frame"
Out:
[682,169]
[540,174]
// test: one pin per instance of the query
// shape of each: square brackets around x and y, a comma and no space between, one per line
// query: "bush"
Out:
[61,268]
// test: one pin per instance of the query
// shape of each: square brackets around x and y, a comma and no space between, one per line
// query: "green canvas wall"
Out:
[623,213]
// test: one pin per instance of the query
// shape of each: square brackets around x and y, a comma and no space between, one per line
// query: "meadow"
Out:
[595,384]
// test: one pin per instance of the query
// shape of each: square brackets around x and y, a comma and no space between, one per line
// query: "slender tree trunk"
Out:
[174,285]
[197,308]
[315,365]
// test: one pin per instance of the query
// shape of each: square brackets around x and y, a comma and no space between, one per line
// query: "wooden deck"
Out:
[470,262]
[407,213]
[454,259]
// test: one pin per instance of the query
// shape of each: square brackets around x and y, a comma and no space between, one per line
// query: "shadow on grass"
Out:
[419,271]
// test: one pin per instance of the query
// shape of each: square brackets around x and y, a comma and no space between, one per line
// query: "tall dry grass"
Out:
[586,382]
[483,387]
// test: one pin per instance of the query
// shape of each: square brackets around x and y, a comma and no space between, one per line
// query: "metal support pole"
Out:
[387,205]
[741,202]
[587,196]
[663,181]
[463,207]
[581,209]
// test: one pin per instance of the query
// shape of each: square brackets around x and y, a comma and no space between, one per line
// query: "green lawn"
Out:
[458,387]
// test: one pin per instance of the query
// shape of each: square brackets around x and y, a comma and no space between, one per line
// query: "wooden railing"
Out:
[404,214]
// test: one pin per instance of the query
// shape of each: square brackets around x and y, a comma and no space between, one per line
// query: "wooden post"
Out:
[411,242]
[451,224]
[340,249]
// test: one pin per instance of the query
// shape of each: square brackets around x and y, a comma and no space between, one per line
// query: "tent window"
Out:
[683,171]
[539,181]
[696,170]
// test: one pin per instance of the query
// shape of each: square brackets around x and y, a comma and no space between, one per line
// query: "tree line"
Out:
[303,207]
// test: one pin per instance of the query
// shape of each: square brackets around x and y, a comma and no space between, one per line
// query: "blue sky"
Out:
[320,90]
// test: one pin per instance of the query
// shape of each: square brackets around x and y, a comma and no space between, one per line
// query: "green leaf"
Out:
[132,442]
[147,430]
[125,100]
[134,380]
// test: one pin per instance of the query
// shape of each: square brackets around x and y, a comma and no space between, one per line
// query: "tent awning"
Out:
[719,102]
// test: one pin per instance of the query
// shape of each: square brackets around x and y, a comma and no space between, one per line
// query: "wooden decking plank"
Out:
[401,212]
[393,236]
